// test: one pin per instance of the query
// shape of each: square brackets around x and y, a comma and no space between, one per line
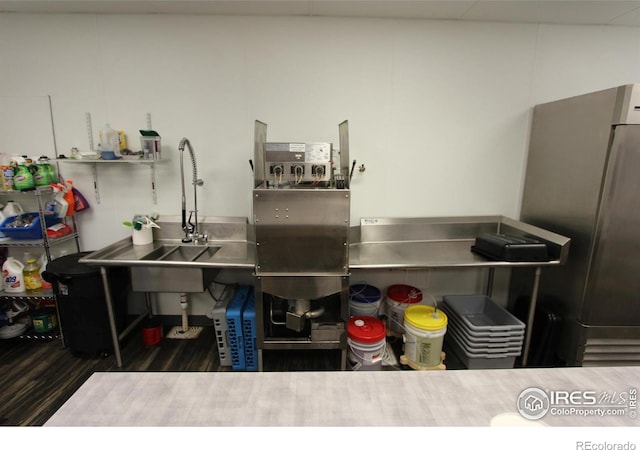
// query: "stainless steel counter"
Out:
[445,242]
[229,236]
[441,242]
[377,243]
[228,255]
[339,399]
[169,265]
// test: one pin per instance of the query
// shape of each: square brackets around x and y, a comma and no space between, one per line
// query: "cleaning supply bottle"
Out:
[41,176]
[31,276]
[12,209]
[43,266]
[23,178]
[61,205]
[109,141]
[7,172]
[51,171]
[13,278]
[3,258]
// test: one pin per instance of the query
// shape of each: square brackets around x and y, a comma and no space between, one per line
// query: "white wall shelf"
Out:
[94,163]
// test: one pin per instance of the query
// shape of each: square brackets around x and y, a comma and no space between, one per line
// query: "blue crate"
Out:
[235,328]
[249,333]
[33,231]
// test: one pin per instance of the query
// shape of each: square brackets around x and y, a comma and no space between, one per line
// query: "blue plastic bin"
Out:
[33,231]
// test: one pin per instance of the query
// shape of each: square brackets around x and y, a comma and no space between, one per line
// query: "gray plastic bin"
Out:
[480,336]
[493,347]
[477,361]
[481,314]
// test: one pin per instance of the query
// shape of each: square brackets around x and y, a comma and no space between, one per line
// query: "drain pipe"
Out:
[183,305]
[302,308]
[315,313]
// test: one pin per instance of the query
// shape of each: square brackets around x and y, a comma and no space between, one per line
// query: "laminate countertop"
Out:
[574,397]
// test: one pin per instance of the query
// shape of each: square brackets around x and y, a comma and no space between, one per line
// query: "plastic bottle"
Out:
[7,172]
[23,178]
[12,274]
[3,259]
[53,176]
[109,140]
[31,275]
[43,266]
[61,205]
[12,209]
[41,177]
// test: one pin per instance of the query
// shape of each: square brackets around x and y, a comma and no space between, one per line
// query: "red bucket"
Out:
[152,332]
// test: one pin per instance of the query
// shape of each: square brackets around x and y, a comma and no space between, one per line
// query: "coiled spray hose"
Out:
[189,227]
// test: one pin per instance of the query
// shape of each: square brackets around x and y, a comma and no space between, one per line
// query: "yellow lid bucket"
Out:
[423,317]
[424,334]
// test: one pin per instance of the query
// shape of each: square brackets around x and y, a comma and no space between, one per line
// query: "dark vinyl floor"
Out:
[38,377]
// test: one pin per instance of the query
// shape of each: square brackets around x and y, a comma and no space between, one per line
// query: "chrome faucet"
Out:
[191,232]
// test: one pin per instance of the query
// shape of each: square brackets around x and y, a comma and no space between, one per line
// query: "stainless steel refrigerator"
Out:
[583,181]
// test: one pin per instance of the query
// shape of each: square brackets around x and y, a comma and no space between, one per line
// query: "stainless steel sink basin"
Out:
[174,277]
[170,265]
[178,253]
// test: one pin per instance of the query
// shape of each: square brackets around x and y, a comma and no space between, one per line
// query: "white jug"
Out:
[12,274]
[12,209]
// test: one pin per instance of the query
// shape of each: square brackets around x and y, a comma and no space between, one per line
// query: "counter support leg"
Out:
[147,300]
[112,320]
[531,315]
[492,272]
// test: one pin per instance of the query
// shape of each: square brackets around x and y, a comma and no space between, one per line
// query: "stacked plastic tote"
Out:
[481,333]
[234,318]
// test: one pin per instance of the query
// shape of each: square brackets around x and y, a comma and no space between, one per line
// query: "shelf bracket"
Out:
[96,191]
[153,184]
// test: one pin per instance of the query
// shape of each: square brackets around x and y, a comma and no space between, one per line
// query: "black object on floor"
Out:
[82,306]
[545,335]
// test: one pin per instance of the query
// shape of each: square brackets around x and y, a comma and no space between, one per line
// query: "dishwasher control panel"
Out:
[298,164]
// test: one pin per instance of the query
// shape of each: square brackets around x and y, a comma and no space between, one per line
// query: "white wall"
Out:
[438,110]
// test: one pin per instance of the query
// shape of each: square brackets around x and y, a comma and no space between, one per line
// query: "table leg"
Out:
[531,315]
[112,320]
[490,281]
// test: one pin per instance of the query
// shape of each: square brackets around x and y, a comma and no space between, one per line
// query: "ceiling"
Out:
[575,12]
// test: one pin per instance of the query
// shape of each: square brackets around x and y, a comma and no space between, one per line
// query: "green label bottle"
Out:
[23,178]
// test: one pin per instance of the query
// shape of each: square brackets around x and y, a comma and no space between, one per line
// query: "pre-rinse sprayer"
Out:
[190,228]
[191,234]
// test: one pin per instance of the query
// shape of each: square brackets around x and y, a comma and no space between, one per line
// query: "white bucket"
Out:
[364,300]
[399,296]
[367,342]
[143,236]
[424,334]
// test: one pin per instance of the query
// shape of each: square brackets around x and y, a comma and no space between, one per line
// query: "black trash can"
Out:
[81,303]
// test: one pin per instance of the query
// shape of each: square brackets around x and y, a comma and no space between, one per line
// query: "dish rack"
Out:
[241,330]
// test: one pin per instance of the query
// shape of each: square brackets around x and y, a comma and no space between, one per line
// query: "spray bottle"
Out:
[43,266]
